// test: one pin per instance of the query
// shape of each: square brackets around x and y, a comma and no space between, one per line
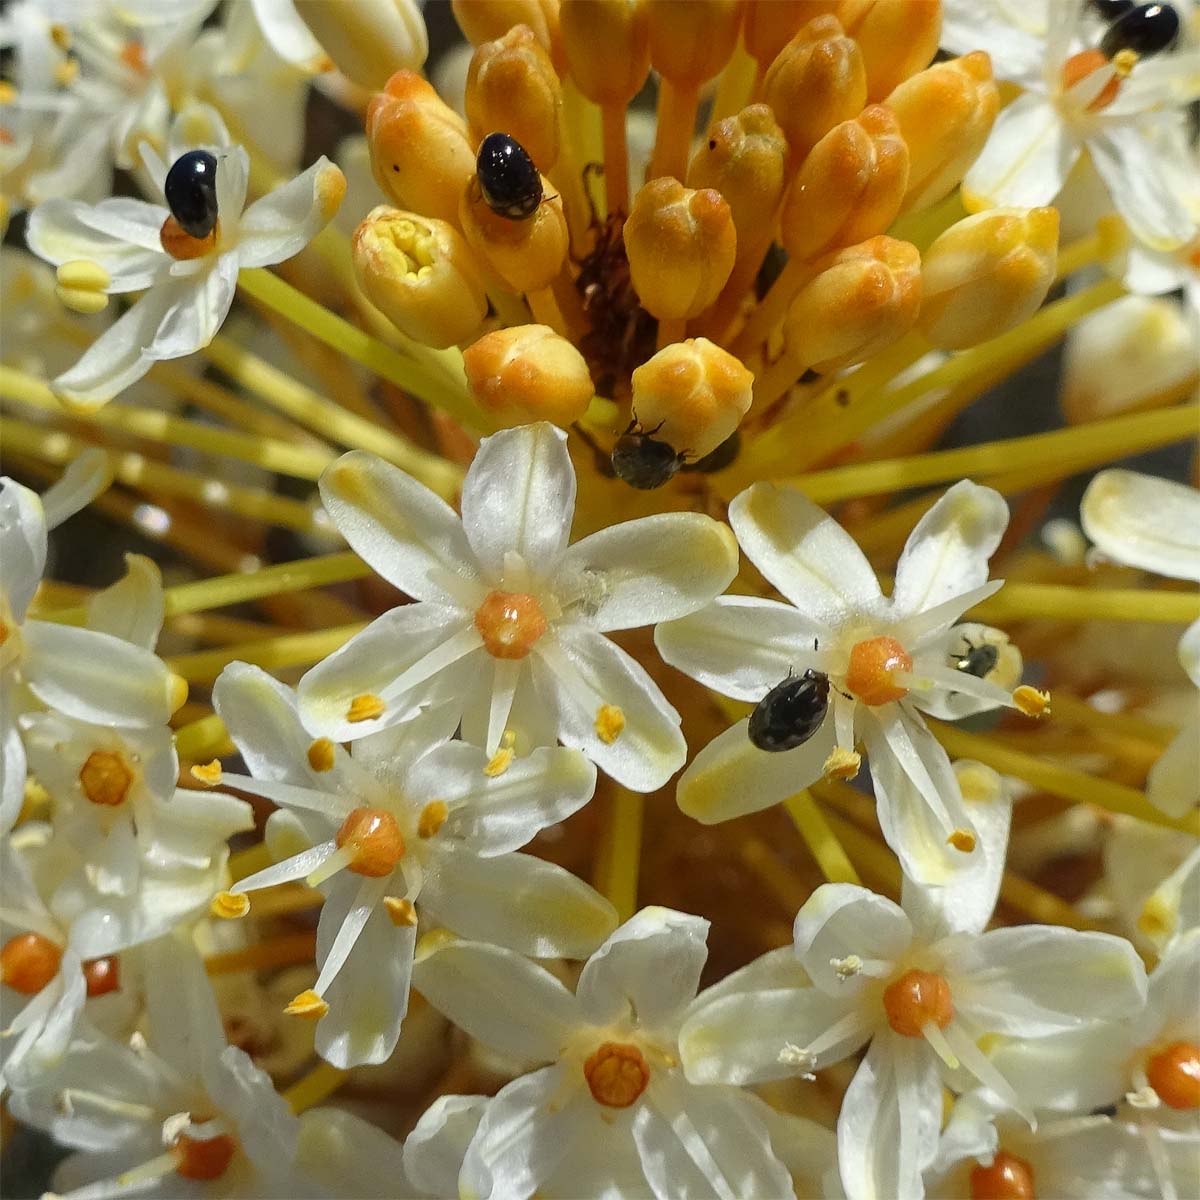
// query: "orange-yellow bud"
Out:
[486,20]
[817,80]
[607,47]
[421,155]
[512,86]
[526,254]
[691,40]
[946,113]
[986,274]
[849,188]
[769,25]
[369,39]
[864,299]
[897,38]
[693,395]
[420,274]
[681,245]
[528,373]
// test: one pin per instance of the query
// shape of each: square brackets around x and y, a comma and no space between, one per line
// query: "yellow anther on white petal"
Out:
[229,906]
[1031,702]
[8,93]
[402,912]
[365,708]
[81,300]
[60,35]
[842,764]
[208,774]
[502,759]
[320,755]
[66,72]
[307,1004]
[433,817]
[610,723]
[962,839]
[84,274]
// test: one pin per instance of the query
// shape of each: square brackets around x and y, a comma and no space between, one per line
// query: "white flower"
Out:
[608,1112]
[509,624]
[1154,524]
[82,673]
[410,825]
[185,300]
[922,995]
[887,660]
[1129,115]
[180,1113]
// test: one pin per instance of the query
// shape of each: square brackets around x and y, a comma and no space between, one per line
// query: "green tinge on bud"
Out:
[986,274]
[420,274]
[368,40]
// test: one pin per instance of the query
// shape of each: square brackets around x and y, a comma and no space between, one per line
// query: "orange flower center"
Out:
[28,962]
[105,778]
[375,838]
[869,675]
[510,623]
[1080,66]
[181,245]
[195,1159]
[103,975]
[616,1074]
[1008,1178]
[915,1000]
[1174,1073]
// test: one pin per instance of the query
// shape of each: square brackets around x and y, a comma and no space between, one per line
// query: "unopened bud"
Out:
[529,373]
[486,20]
[691,40]
[986,274]
[849,188]
[769,25]
[945,113]
[419,272]
[818,80]
[368,40]
[607,47]
[421,155]
[865,298]
[512,85]
[693,395]
[526,254]
[897,38]
[681,245]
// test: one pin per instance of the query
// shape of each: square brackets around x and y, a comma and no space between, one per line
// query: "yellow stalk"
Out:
[1074,711]
[274,653]
[314,411]
[1025,601]
[735,85]
[620,856]
[301,462]
[616,158]
[284,951]
[317,1085]
[244,863]
[159,480]
[203,739]
[676,123]
[820,838]
[762,860]
[286,899]
[876,859]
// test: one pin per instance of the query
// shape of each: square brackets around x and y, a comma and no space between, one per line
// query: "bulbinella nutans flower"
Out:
[598,598]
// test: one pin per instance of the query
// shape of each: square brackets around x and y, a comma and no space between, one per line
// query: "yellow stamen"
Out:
[610,723]
[229,906]
[502,759]
[842,764]
[306,1004]
[282,951]
[273,653]
[208,774]
[433,817]
[317,1085]
[1031,702]
[962,839]
[401,911]
[365,708]
[618,859]
[320,755]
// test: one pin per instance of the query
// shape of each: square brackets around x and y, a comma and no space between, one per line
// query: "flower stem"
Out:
[616,157]
[1023,601]
[620,854]
[821,840]
[203,739]
[284,951]
[287,650]
[317,1085]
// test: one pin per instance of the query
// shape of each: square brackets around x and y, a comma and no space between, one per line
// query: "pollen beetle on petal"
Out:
[979,661]
[644,462]
[791,712]
[1146,30]
[191,191]
[508,180]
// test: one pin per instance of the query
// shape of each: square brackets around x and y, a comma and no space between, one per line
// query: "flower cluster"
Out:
[612,609]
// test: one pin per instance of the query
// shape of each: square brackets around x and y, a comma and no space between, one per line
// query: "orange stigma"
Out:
[105,778]
[917,999]
[209,1159]
[1008,1178]
[103,975]
[182,246]
[1174,1074]
[375,838]
[1080,66]
[28,962]
[510,623]
[872,662]
[616,1074]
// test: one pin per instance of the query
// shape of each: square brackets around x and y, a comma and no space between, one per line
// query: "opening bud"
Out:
[897,38]
[421,154]
[681,245]
[527,254]
[420,273]
[368,39]
[607,47]
[690,43]
[986,274]
[528,373]
[693,395]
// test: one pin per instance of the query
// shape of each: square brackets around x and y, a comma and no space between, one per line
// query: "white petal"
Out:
[497,996]
[527,904]
[1036,980]
[947,552]
[583,671]
[183,1024]
[1174,985]
[264,1125]
[1026,159]
[286,33]
[654,569]
[1076,1071]
[85,478]
[411,537]
[839,920]
[805,553]
[740,646]
[95,677]
[1014,38]
[519,496]
[1145,522]
[131,608]
[435,1149]
[22,544]
[808,1150]
[1173,785]
[731,776]
[284,221]
[778,968]
[12,771]
[345,1155]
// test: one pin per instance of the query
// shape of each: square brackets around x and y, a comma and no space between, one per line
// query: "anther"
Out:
[105,778]
[209,1159]
[28,962]
[208,773]
[306,1004]
[320,755]
[1008,1178]
[610,723]
[917,999]
[433,817]
[229,906]
[1174,1073]
[616,1074]
[375,838]
[962,839]
[365,708]
[842,764]
[402,912]
[502,759]
[102,975]
[1031,702]
[869,675]
[510,623]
